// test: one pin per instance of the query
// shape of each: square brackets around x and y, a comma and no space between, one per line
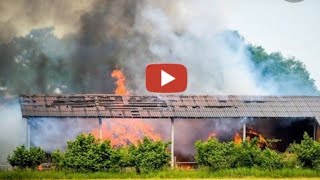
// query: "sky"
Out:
[277,25]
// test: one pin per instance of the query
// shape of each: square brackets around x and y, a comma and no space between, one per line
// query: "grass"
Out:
[243,173]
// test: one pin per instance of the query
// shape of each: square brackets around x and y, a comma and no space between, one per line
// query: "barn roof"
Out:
[168,106]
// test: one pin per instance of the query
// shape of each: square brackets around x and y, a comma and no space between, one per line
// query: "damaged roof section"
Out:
[170,106]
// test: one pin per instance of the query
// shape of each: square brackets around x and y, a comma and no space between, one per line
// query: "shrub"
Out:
[121,158]
[149,155]
[26,158]
[214,154]
[217,155]
[57,159]
[247,154]
[87,154]
[270,159]
[290,160]
[308,152]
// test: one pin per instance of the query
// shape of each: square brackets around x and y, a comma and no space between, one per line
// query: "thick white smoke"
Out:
[52,134]
[12,129]
[193,34]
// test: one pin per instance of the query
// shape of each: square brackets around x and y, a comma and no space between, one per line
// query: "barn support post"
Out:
[28,133]
[315,130]
[318,133]
[244,133]
[172,144]
[100,128]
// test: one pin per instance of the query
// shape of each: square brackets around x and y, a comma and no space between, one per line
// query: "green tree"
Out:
[41,57]
[27,158]
[287,76]
[149,155]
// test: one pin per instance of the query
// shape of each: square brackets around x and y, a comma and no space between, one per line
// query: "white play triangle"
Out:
[166,78]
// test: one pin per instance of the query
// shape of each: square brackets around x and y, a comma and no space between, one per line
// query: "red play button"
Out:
[166,78]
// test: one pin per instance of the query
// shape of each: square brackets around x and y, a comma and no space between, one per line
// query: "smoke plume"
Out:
[18,18]
[12,129]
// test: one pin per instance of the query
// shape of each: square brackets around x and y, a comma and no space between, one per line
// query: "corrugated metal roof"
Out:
[115,106]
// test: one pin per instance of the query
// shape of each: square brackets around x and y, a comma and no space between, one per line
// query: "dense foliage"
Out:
[121,158]
[86,153]
[149,155]
[308,152]
[89,154]
[221,155]
[247,154]
[214,154]
[26,158]
[270,159]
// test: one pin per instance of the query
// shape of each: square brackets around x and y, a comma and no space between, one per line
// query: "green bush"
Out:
[57,159]
[26,158]
[87,154]
[149,155]
[247,154]
[290,160]
[308,152]
[121,158]
[221,155]
[214,154]
[270,159]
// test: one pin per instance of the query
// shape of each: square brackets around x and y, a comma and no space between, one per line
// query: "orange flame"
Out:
[122,132]
[121,82]
[250,134]
[262,141]
[237,139]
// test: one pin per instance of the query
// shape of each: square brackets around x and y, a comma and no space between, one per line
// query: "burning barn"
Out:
[278,117]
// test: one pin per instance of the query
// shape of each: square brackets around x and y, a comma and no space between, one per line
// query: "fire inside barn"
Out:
[263,110]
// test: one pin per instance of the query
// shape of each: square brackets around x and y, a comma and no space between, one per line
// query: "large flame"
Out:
[122,132]
[120,82]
